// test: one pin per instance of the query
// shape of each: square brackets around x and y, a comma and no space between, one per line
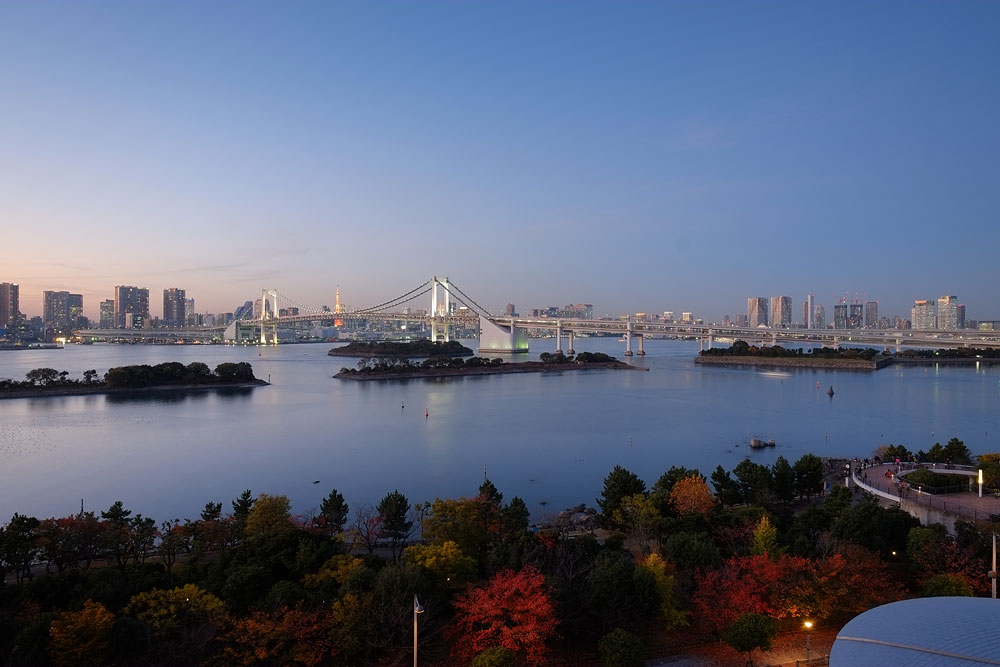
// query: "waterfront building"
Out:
[756,311]
[10,305]
[856,316]
[174,307]
[807,312]
[108,314]
[819,317]
[131,307]
[961,316]
[74,305]
[55,309]
[871,315]
[840,316]
[922,315]
[781,312]
[947,313]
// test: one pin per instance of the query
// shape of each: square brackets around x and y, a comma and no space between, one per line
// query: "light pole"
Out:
[417,609]
[808,625]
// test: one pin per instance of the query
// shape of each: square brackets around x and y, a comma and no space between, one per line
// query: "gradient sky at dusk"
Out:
[637,156]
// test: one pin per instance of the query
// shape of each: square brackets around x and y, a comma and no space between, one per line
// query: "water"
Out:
[549,438]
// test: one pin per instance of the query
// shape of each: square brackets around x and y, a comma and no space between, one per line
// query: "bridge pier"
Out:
[570,350]
[710,341]
[558,337]
[628,339]
[641,352]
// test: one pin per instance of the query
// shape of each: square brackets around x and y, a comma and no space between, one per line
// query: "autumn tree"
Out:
[663,577]
[691,495]
[638,517]
[445,563]
[664,486]
[367,528]
[181,621]
[81,637]
[512,610]
[269,514]
[285,637]
[765,538]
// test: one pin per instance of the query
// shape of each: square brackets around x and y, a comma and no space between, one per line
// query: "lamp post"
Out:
[980,483]
[417,609]
[808,625]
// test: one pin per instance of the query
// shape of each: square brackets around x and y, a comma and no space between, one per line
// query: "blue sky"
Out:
[638,156]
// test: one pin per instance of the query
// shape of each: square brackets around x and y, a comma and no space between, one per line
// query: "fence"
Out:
[912,494]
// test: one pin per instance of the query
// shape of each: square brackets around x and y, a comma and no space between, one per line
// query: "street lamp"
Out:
[417,609]
[808,625]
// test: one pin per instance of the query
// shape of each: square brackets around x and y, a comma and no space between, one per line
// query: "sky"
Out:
[641,156]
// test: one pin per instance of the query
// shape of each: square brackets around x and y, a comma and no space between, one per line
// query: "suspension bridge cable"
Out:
[470,303]
[392,301]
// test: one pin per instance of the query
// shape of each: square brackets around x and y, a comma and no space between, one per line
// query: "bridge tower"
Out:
[440,309]
[268,311]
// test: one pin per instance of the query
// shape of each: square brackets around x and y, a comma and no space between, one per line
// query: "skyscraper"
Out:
[174,311]
[840,316]
[781,312]
[961,316]
[819,317]
[131,307]
[55,309]
[807,316]
[108,314]
[756,311]
[10,305]
[947,313]
[871,314]
[856,315]
[922,315]
[74,305]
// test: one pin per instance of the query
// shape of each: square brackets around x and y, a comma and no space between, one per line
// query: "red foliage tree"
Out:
[512,610]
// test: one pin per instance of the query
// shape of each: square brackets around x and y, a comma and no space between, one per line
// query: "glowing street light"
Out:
[980,483]
[808,625]
[417,609]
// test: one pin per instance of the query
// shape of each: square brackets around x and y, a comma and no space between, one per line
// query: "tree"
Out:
[751,631]
[784,480]
[445,563]
[89,376]
[269,514]
[241,512]
[17,545]
[512,610]
[947,585]
[619,484]
[514,517]
[662,575]
[765,539]
[181,620]
[42,376]
[117,527]
[334,511]
[726,490]
[495,656]
[620,648]
[691,495]
[753,481]
[393,512]
[367,527]
[637,516]
[81,637]
[665,485]
[809,475]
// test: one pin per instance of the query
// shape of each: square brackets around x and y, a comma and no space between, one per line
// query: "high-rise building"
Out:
[509,310]
[871,314]
[756,311]
[922,315]
[819,317]
[781,312]
[108,314]
[74,304]
[961,316]
[840,316]
[947,313]
[10,305]
[131,307]
[55,309]
[855,315]
[174,307]
[807,312]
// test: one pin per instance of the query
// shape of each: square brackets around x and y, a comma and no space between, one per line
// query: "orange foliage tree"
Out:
[81,637]
[286,637]
[512,610]
[691,495]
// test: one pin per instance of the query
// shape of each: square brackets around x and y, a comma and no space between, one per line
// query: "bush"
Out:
[620,648]
[497,656]
[935,480]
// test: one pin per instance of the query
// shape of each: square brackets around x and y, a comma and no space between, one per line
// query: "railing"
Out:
[899,493]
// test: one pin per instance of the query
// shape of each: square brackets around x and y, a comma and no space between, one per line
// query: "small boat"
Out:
[829,391]
[757,443]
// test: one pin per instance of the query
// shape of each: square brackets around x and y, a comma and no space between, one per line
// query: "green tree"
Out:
[809,475]
[947,584]
[42,376]
[765,539]
[514,517]
[620,648]
[241,512]
[751,631]
[618,485]
[18,545]
[393,511]
[784,480]
[334,511]
[495,656]
[754,482]
[446,563]
[726,489]
[117,526]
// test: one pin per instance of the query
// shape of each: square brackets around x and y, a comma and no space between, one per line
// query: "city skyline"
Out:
[640,158]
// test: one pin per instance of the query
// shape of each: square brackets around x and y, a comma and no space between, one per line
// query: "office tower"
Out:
[819,317]
[756,311]
[108,314]
[947,313]
[131,307]
[781,312]
[174,307]
[55,309]
[871,315]
[668,316]
[807,316]
[9,306]
[922,315]
[856,315]
[509,310]
[961,316]
[840,316]
[74,304]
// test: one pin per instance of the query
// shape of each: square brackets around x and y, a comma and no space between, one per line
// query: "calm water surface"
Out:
[549,438]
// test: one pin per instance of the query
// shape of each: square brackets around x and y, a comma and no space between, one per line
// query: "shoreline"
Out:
[516,367]
[795,362]
[95,391]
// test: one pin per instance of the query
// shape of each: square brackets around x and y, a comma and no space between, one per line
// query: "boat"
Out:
[757,443]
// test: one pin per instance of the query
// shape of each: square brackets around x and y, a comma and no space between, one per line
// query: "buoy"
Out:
[817,384]
[402,406]
[830,390]
[427,413]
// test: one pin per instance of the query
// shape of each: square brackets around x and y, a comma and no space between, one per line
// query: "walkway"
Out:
[966,505]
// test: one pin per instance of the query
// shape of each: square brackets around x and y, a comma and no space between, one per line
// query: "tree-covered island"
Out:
[168,375]
[402,349]
[439,366]
[742,353]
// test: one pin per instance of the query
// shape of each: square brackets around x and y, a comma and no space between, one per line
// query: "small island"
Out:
[743,354]
[399,349]
[196,376]
[439,366]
